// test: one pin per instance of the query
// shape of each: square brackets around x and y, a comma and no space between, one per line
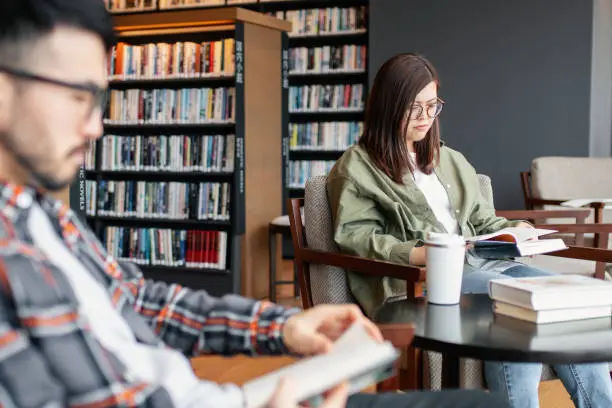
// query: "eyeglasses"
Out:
[432,109]
[97,96]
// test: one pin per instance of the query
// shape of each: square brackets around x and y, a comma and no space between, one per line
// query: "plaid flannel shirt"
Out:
[48,354]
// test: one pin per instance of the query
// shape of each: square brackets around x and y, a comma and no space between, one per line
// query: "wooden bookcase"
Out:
[255,180]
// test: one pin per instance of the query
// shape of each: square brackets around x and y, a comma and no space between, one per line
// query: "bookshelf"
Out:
[327,86]
[312,138]
[326,78]
[185,179]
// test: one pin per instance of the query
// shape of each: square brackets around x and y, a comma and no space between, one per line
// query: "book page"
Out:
[512,234]
[354,355]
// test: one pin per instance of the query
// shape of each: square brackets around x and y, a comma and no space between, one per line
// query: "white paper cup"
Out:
[445,259]
[443,322]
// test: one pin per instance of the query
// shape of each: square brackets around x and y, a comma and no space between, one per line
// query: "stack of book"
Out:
[549,299]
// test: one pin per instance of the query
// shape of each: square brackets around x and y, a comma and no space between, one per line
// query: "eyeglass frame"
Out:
[411,112]
[99,95]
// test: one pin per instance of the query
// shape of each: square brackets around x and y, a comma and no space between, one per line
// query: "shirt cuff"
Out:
[271,341]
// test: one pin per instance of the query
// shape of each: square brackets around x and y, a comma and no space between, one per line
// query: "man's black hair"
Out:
[24,22]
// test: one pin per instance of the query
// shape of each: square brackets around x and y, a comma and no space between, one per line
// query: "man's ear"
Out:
[7,94]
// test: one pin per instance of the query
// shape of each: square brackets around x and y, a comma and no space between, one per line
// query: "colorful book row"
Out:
[177,60]
[168,247]
[333,136]
[321,98]
[175,153]
[171,106]
[164,200]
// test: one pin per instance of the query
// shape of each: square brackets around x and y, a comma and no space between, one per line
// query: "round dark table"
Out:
[471,330]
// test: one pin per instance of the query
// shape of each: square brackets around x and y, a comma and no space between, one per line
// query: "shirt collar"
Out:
[16,200]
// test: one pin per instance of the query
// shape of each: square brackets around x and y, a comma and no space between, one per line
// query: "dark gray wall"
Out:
[515,76]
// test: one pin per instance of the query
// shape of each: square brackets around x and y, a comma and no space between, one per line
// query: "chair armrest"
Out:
[541,201]
[584,253]
[399,334]
[578,228]
[580,213]
[372,267]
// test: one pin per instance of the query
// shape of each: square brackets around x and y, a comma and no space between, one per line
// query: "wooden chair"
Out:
[573,233]
[322,276]
[320,259]
[534,200]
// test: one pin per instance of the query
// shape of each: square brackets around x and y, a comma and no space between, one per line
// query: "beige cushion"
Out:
[283,220]
[560,178]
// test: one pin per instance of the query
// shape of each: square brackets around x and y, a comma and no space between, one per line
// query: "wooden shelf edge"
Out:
[193,20]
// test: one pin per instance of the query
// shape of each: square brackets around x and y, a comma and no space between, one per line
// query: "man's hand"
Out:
[315,330]
[524,225]
[284,397]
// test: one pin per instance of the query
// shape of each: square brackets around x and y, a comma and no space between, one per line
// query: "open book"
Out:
[355,357]
[513,242]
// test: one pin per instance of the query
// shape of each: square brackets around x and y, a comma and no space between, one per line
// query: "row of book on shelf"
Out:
[324,21]
[168,200]
[313,98]
[208,153]
[175,153]
[180,59]
[170,106]
[328,58]
[217,105]
[332,136]
[211,59]
[167,247]
[301,170]
[128,5]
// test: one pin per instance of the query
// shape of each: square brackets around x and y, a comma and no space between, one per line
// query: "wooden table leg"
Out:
[272,265]
[450,371]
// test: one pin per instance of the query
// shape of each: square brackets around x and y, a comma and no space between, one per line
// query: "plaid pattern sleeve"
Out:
[50,358]
[25,377]
[195,322]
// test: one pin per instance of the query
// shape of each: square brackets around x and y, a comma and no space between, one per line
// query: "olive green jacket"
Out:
[374,217]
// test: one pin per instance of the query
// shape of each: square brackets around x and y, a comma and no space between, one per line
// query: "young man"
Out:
[76,328]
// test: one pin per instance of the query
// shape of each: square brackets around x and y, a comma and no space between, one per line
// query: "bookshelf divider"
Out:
[285,121]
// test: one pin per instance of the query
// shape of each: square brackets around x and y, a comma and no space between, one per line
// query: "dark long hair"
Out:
[395,87]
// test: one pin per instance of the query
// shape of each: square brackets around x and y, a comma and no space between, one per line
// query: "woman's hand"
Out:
[418,256]
[523,224]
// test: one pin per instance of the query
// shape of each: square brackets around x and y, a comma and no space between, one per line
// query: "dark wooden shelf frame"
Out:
[258,132]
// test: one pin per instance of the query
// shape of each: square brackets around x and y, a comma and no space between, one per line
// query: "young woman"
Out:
[400,182]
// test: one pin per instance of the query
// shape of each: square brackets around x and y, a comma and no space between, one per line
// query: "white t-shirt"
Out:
[160,366]
[437,198]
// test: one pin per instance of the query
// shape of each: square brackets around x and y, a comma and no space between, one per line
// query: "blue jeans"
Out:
[589,385]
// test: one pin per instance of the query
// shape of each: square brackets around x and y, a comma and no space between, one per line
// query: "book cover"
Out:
[322,372]
[552,292]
